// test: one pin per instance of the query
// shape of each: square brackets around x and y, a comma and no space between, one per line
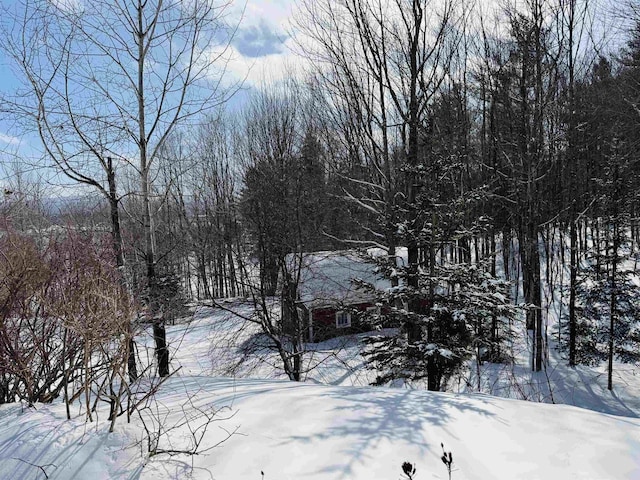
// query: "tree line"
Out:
[481,141]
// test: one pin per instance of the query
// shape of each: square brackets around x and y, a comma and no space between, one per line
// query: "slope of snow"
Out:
[217,336]
[39,443]
[308,431]
[293,431]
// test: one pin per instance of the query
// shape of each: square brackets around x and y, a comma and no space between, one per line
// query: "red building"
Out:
[329,301]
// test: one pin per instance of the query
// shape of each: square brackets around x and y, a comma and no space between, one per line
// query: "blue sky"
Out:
[259,51]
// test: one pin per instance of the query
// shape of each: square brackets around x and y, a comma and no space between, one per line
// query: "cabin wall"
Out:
[324,321]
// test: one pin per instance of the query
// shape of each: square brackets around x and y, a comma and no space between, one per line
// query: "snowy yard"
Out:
[291,431]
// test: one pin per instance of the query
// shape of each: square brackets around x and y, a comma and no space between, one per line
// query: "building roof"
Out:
[327,278]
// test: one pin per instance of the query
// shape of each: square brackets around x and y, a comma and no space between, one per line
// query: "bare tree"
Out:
[272,208]
[105,85]
[573,26]
[520,88]
[382,63]
[201,175]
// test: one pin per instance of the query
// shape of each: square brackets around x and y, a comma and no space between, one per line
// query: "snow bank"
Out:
[295,431]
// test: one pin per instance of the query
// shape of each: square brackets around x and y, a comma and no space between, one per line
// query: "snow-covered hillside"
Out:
[293,431]
[286,430]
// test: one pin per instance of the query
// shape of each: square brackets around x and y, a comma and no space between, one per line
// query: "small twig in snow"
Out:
[41,467]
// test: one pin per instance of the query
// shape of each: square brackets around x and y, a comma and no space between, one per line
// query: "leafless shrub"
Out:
[90,301]
[181,433]
[65,321]
[35,352]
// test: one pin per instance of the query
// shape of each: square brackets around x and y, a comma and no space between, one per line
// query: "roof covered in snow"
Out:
[327,278]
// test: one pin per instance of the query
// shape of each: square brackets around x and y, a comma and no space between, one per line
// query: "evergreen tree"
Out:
[606,301]
[451,298]
[459,306]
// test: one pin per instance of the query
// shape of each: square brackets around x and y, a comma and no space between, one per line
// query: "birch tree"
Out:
[104,83]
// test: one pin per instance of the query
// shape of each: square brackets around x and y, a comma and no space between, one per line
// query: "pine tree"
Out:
[606,300]
[446,304]
[458,308]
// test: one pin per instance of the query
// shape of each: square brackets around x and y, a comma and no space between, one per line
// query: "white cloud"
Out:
[256,71]
[275,13]
[262,51]
[69,6]
[9,139]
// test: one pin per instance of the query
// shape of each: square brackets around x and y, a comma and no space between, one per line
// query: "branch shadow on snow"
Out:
[47,446]
[389,415]
[583,387]
[370,416]
[366,416]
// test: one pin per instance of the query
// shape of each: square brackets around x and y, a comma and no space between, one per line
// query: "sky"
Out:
[262,46]
[260,51]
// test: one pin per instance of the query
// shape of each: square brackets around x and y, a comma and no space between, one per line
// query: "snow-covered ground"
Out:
[343,430]
[293,431]
[338,362]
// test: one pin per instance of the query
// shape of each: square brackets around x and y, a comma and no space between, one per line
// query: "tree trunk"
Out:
[414,331]
[506,251]
[118,249]
[159,332]
[573,276]
[614,270]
